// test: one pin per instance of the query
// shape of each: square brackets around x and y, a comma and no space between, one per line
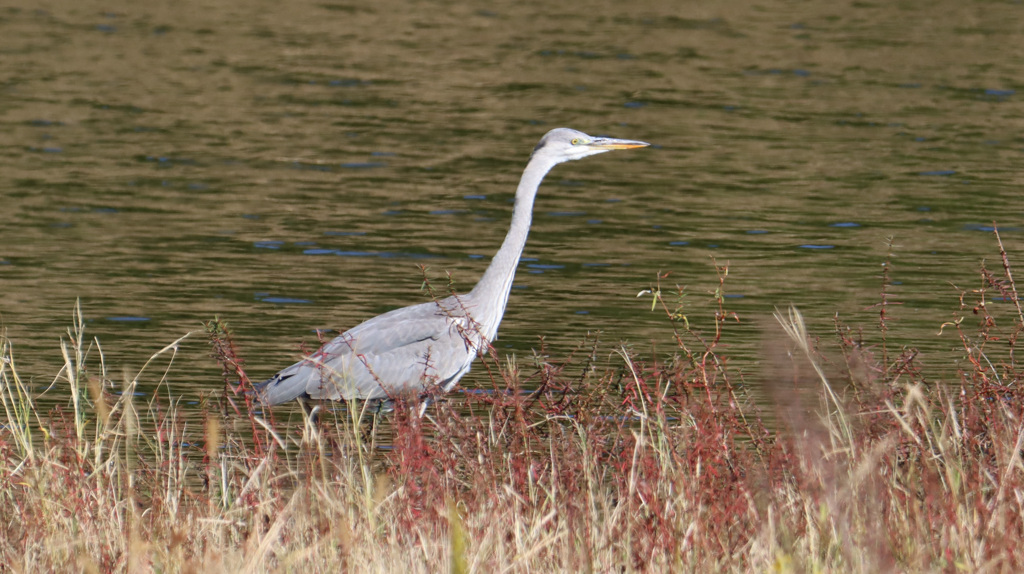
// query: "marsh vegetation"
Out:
[870,462]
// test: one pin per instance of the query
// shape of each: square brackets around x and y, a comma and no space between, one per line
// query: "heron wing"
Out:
[408,348]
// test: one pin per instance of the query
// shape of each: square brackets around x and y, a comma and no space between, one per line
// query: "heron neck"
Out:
[493,289]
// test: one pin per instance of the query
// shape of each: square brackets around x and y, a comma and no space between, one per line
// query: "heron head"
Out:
[565,144]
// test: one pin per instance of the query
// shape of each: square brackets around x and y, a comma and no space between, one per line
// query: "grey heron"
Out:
[428,347]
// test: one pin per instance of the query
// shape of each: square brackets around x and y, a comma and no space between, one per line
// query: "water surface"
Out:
[290,166]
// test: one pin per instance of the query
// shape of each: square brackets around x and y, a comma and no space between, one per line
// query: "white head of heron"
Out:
[566,144]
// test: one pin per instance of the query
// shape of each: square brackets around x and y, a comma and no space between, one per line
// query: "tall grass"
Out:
[652,464]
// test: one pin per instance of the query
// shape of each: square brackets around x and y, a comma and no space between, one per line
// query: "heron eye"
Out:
[575,141]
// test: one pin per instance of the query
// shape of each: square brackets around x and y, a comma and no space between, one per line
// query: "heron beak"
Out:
[612,143]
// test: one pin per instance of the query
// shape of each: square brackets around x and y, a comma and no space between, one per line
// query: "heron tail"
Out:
[280,389]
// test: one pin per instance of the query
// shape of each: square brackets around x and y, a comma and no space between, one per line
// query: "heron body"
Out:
[428,347]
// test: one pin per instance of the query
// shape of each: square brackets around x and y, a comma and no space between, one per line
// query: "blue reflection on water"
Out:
[1000,94]
[281,300]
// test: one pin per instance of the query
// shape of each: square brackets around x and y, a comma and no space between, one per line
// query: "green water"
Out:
[288,166]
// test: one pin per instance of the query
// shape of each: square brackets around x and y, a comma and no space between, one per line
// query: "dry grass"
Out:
[647,466]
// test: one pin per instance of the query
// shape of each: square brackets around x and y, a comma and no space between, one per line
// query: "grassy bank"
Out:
[871,464]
